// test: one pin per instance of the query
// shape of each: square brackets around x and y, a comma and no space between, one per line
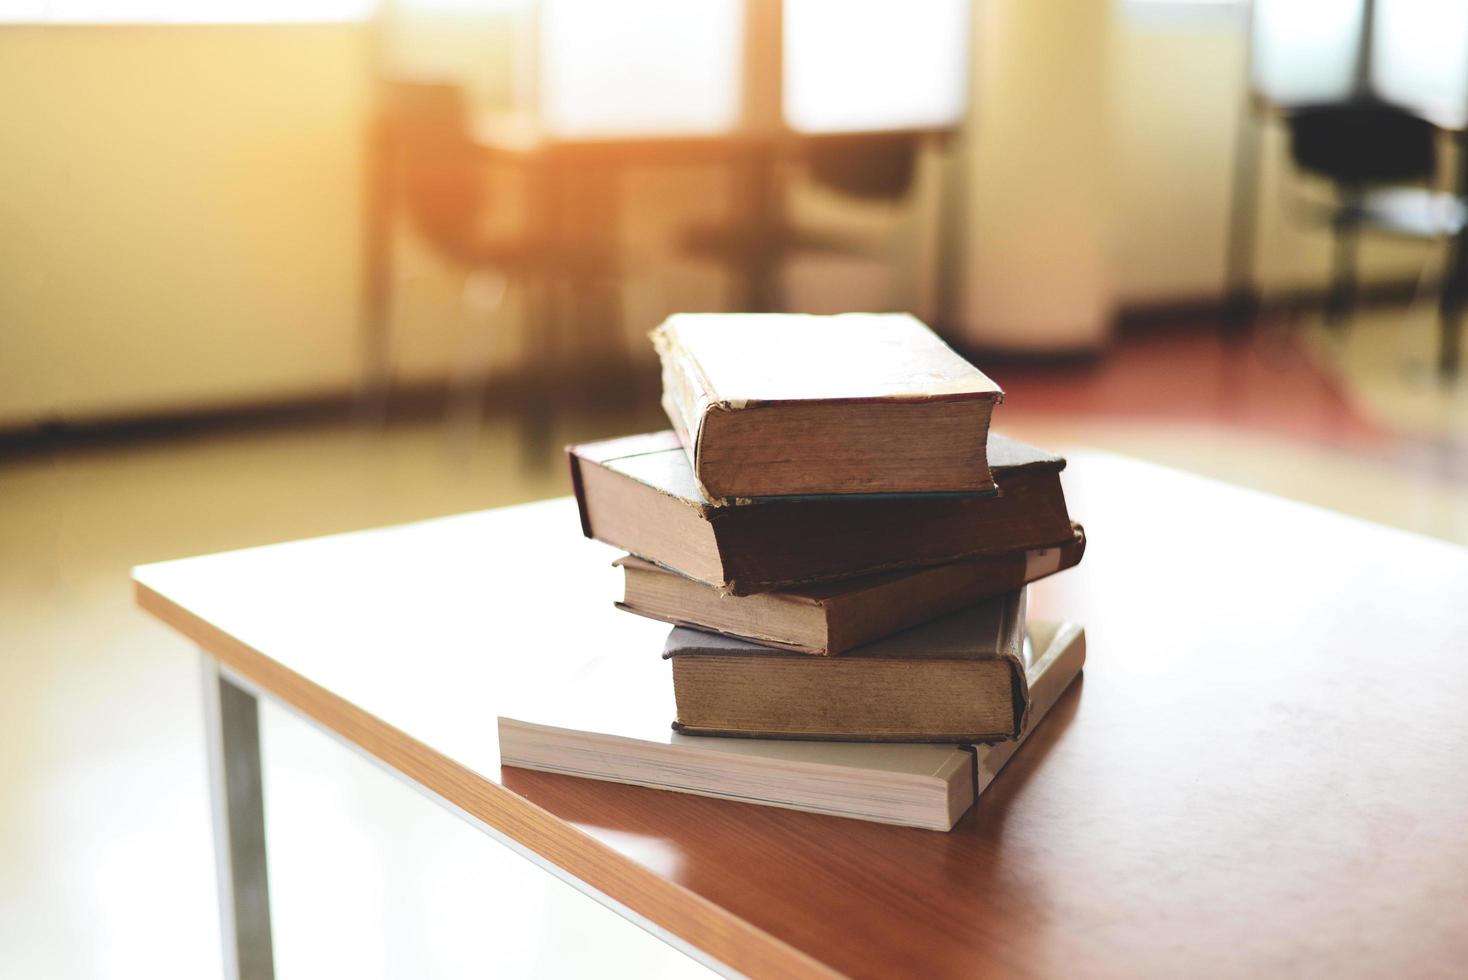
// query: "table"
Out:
[752,157]
[1262,770]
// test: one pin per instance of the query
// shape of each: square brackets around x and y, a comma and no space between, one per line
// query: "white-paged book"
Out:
[580,731]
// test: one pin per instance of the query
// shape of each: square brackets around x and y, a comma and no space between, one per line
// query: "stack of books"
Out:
[842,548]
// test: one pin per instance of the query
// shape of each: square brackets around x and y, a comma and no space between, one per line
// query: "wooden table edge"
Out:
[692,918]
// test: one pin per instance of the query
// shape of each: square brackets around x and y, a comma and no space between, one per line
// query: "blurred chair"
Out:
[1364,149]
[1372,152]
[435,175]
[865,167]
[1365,88]
[870,167]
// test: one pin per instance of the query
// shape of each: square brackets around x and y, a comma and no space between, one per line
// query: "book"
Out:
[638,493]
[611,724]
[774,404]
[960,678]
[833,617]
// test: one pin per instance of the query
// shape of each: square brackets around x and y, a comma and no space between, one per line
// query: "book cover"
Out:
[959,678]
[638,493]
[830,618]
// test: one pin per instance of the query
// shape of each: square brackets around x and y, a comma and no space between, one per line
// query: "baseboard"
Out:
[995,356]
[593,385]
[1196,312]
[1180,313]
[584,386]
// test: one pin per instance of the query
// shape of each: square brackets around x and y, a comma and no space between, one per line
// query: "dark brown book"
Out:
[774,404]
[957,679]
[833,617]
[638,493]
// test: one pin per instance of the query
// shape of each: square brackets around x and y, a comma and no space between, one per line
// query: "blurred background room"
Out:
[278,269]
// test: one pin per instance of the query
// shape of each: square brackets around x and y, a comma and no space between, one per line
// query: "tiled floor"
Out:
[105,860]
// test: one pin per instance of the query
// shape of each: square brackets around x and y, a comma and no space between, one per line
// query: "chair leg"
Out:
[1450,339]
[763,205]
[1455,289]
[537,416]
[1342,296]
[483,299]
[1241,294]
[1455,281]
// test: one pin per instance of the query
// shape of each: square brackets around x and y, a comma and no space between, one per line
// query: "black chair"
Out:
[1380,159]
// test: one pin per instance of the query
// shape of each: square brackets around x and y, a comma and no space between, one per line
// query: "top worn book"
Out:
[789,404]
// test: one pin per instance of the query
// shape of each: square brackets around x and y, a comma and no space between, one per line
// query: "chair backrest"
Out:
[1363,143]
[869,166]
[434,159]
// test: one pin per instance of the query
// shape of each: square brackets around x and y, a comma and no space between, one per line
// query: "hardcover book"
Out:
[833,617]
[781,404]
[956,679]
[638,493]
[626,739]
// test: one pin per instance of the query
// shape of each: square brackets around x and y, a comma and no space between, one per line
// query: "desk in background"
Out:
[753,87]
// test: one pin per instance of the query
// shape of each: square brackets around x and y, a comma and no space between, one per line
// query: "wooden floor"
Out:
[105,859]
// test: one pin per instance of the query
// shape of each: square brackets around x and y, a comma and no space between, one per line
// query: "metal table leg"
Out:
[232,730]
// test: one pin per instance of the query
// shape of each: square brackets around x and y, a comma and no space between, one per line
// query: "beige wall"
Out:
[180,220]
[180,215]
[1100,163]
[1038,165]
[1176,90]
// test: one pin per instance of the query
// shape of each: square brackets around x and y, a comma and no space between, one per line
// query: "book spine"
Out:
[674,620]
[940,591]
[1066,658]
[685,394]
[688,398]
[783,542]
[1011,641]
[1071,552]
[579,489]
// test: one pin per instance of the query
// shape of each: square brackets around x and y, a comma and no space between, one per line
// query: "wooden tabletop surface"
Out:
[1264,768]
